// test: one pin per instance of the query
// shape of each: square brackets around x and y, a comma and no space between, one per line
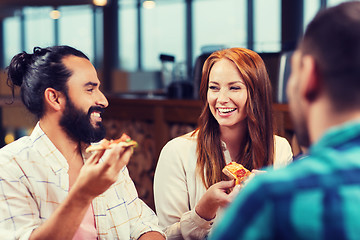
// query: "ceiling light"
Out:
[149,4]
[100,3]
[55,14]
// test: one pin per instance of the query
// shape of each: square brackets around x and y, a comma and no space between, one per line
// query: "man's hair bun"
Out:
[18,68]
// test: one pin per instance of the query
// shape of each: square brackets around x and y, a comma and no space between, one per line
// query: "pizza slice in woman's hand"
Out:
[236,171]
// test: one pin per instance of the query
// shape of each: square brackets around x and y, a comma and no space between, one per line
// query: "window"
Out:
[218,24]
[76,28]
[311,7]
[163,31]
[12,37]
[98,37]
[331,3]
[267,25]
[39,27]
[128,35]
[36,28]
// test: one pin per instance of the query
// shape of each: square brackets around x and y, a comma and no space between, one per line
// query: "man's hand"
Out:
[96,177]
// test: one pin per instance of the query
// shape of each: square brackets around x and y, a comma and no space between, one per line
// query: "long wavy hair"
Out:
[258,150]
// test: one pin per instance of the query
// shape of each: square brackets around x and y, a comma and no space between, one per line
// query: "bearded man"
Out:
[49,187]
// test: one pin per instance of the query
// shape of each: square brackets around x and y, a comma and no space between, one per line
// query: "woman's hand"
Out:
[214,198]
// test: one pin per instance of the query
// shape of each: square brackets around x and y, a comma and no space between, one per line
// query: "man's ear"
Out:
[311,79]
[54,99]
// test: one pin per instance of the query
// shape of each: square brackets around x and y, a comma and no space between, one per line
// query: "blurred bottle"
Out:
[181,87]
[167,67]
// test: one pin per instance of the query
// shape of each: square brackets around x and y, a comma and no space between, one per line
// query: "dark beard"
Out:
[77,124]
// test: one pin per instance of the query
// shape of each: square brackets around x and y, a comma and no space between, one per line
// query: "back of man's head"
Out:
[333,39]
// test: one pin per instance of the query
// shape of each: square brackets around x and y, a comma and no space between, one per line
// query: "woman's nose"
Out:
[223,96]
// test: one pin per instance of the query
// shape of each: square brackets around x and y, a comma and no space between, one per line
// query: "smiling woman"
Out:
[227,95]
[243,83]
[235,125]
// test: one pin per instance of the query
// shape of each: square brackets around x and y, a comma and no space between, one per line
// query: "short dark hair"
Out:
[333,39]
[40,70]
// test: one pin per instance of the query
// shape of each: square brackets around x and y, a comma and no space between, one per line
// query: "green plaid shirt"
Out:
[316,197]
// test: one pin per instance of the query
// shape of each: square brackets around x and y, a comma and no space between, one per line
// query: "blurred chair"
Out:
[284,74]
[198,72]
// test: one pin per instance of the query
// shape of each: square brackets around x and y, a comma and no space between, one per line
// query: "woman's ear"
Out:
[54,99]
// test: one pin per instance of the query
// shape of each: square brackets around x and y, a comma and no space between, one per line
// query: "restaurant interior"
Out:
[149,56]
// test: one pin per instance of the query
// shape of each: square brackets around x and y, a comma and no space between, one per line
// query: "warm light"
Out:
[9,138]
[100,3]
[55,14]
[149,4]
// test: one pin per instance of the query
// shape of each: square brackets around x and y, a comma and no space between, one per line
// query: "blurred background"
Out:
[125,38]
[148,53]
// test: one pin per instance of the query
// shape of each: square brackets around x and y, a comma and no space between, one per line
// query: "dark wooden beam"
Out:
[111,43]
[291,23]
[250,24]
[189,38]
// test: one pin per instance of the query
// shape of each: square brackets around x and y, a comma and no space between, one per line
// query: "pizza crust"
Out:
[104,144]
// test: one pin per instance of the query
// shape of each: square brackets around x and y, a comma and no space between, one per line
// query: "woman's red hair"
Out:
[259,147]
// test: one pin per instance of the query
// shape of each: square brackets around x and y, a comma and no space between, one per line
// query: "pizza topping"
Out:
[240,173]
[124,138]
[236,171]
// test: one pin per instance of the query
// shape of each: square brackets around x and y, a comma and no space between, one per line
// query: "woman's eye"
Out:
[212,87]
[235,88]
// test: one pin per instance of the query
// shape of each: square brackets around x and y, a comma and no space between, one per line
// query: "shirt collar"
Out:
[338,135]
[48,150]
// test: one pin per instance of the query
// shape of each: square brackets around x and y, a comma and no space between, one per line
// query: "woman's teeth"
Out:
[226,110]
